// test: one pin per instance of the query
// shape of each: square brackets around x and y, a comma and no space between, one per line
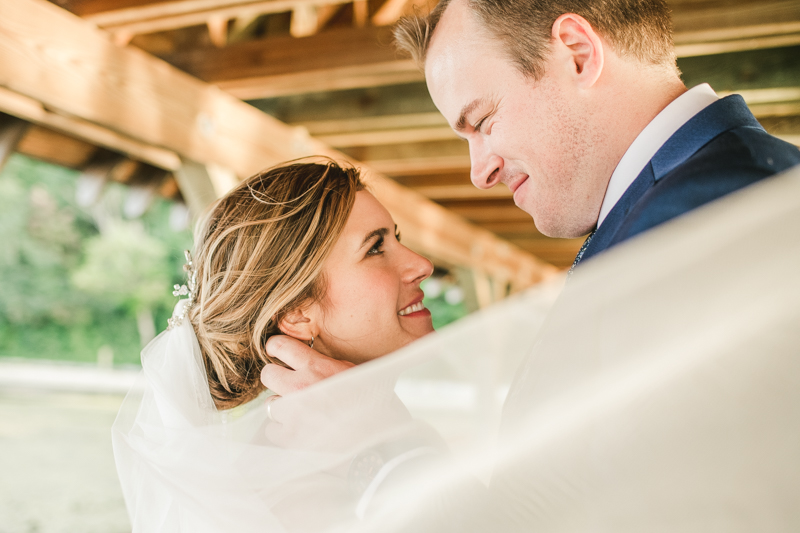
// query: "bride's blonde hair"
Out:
[259,254]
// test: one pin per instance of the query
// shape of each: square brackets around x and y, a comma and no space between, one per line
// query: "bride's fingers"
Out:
[278,379]
[309,365]
[291,351]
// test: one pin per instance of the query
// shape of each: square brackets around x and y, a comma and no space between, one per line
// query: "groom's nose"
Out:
[485,165]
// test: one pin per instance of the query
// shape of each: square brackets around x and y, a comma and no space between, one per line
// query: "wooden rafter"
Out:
[182,13]
[739,26]
[364,57]
[32,110]
[73,69]
[338,59]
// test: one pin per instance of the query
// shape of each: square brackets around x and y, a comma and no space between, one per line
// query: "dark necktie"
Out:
[581,252]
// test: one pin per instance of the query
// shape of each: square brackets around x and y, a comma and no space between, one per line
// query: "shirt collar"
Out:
[652,137]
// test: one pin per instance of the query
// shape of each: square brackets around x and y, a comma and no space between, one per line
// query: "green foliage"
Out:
[442,311]
[73,279]
[126,267]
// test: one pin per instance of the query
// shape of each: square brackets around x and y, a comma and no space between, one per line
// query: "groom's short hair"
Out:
[641,29]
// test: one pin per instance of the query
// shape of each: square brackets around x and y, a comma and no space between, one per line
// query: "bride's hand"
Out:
[307,365]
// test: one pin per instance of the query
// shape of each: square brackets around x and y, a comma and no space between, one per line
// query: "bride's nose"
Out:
[415,267]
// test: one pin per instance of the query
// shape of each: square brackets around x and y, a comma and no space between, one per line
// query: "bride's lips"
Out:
[414,309]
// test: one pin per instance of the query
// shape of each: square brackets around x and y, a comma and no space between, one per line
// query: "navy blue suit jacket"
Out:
[720,150]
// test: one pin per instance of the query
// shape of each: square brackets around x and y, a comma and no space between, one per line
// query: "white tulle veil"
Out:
[661,392]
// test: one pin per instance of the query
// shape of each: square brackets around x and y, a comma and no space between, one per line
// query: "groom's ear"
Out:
[298,324]
[580,46]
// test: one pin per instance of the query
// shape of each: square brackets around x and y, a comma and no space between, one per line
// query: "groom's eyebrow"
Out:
[461,123]
[372,234]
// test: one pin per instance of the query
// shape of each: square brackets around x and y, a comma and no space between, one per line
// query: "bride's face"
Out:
[373,302]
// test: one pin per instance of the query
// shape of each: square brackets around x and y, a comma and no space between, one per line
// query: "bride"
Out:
[302,250]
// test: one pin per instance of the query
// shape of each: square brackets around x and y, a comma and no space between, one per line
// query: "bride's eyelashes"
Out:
[377,247]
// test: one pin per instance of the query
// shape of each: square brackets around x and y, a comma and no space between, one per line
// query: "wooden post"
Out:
[195,183]
[12,130]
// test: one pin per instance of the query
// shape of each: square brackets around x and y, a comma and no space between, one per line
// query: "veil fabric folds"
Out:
[659,391]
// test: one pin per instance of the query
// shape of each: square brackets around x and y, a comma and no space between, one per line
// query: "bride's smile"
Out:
[372,303]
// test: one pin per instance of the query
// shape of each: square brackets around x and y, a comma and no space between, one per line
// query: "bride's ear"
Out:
[298,324]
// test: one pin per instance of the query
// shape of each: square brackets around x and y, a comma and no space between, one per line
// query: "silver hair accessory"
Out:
[189,289]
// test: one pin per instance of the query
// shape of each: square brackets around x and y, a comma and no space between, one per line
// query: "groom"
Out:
[578,108]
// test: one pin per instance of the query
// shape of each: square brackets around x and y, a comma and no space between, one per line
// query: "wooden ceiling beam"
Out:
[464,191]
[12,130]
[365,57]
[735,26]
[72,69]
[334,60]
[34,111]
[57,148]
[358,124]
[382,137]
[175,14]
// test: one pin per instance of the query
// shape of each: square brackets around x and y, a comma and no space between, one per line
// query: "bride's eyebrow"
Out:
[380,232]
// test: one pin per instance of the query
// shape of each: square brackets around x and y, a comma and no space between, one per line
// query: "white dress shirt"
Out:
[651,139]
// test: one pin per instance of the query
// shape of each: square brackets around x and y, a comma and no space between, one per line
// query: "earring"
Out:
[311,342]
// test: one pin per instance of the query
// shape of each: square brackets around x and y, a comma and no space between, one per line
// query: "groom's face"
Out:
[536,137]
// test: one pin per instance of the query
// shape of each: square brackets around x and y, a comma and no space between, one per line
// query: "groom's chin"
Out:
[561,225]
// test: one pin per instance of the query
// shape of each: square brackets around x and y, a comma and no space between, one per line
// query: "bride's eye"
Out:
[397,235]
[376,248]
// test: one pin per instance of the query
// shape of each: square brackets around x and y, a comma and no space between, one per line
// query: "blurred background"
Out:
[121,120]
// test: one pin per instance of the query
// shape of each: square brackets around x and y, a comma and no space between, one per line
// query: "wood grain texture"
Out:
[73,69]
[364,57]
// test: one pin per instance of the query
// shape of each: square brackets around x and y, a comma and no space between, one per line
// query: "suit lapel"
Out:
[603,236]
[721,116]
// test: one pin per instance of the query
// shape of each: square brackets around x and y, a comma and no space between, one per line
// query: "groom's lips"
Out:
[516,184]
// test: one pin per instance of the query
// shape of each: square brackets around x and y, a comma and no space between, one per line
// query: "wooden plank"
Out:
[421,165]
[358,124]
[333,60]
[33,111]
[12,130]
[411,150]
[381,137]
[429,179]
[747,71]
[304,20]
[461,192]
[409,99]
[363,57]
[735,26]
[414,158]
[73,69]
[325,79]
[182,13]
[53,147]
[390,12]
[558,252]
[484,212]
[195,181]
[217,30]
[89,7]
[360,13]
